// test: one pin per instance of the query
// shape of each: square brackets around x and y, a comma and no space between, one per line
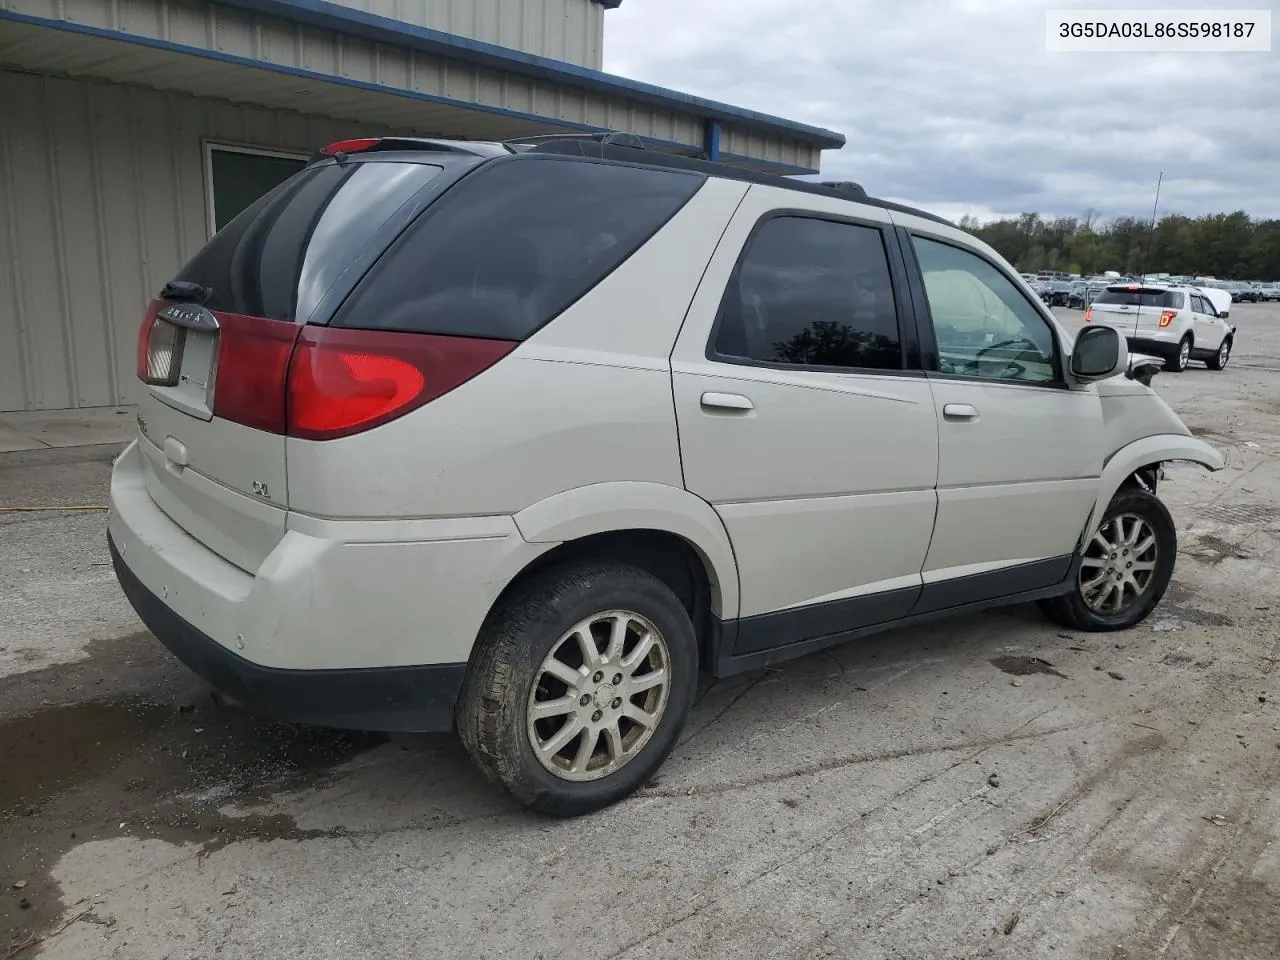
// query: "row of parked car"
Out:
[1077,293]
[1250,292]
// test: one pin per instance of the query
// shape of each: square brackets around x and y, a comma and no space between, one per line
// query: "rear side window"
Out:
[1168,299]
[279,256]
[513,245]
[812,292]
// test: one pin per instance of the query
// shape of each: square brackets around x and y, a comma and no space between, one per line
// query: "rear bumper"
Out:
[417,698]
[1159,348]
[360,623]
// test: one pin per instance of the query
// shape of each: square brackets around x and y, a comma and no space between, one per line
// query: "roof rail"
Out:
[845,186]
[573,143]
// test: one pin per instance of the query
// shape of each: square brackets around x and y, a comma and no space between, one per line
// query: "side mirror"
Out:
[1097,354]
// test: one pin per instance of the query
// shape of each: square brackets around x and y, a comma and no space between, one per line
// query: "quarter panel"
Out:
[524,430]
[585,400]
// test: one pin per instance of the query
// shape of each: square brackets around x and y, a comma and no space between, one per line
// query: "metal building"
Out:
[130,130]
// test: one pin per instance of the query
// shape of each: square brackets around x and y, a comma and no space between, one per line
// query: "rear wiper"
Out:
[186,290]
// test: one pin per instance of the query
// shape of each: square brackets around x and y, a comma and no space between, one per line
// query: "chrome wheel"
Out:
[1224,353]
[1184,354]
[599,695]
[1119,564]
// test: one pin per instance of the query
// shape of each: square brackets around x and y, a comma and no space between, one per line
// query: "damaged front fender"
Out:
[1149,452]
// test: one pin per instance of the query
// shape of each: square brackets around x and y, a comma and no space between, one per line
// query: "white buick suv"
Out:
[515,439]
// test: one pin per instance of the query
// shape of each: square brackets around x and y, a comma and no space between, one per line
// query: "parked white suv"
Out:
[1177,323]
[518,438]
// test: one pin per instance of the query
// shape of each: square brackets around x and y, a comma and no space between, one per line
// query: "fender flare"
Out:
[1145,453]
[639,505]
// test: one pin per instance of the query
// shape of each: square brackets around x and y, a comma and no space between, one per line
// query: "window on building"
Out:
[811,292]
[237,176]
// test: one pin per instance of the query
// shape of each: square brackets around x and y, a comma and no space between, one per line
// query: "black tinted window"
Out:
[1140,298]
[278,257]
[812,292]
[513,245]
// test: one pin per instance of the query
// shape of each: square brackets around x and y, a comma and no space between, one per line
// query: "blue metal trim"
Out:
[711,137]
[170,46]
[340,19]
[766,166]
[609,4]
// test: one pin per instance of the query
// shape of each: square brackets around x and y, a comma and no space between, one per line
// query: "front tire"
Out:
[581,682]
[1219,360]
[1125,568]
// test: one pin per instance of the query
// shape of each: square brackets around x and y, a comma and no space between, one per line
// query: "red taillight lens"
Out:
[1166,317]
[1088,315]
[144,337]
[344,381]
[253,362]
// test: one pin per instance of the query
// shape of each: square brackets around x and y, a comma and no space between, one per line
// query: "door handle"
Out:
[726,401]
[959,411]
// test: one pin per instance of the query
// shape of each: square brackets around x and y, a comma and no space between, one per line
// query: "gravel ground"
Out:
[987,787]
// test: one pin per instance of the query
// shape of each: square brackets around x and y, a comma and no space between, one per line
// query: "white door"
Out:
[799,422]
[1020,452]
[1209,327]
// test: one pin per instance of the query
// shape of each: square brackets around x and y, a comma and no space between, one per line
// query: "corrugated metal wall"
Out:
[756,144]
[292,46]
[568,30]
[102,198]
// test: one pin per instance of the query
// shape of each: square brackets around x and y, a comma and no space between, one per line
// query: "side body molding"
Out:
[629,505]
[1161,448]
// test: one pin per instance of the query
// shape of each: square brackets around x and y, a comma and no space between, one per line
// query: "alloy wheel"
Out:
[599,695]
[1119,564]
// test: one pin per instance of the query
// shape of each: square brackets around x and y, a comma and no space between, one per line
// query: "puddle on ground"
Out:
[1025,666]
[155,760]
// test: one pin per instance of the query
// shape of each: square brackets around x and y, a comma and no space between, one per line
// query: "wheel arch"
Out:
[1135,461]
[635,517]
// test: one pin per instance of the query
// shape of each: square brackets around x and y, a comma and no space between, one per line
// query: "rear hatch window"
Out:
[513,245]
[279,257]
[1140,297]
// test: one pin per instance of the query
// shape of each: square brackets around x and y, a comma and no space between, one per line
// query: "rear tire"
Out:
[1219,360]
[1179,360]
[1085,607]
[526,690]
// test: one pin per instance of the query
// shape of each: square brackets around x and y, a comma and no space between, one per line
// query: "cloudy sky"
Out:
[956,106]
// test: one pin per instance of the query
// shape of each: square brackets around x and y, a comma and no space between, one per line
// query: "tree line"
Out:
[1230,246]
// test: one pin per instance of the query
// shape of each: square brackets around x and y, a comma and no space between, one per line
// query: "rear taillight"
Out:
[1088,315]
[317,383]
[1166,317]
[144,338]
[253,362]
[344,381]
